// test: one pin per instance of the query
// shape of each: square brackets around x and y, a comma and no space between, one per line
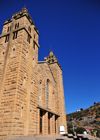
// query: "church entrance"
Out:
[47,121]
[41,122]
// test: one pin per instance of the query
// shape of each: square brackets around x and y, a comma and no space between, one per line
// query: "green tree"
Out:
[94,103]
[81,109]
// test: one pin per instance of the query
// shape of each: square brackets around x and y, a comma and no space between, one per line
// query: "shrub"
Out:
[81,109]
[69,126]
[98,108]
[80,130]
[98,133]
[98,122]
[94,103]
[70,131]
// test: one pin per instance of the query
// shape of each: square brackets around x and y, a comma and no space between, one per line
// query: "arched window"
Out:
[39,92]
[47,94]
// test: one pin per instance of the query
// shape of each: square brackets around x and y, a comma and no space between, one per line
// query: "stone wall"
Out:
[20,78]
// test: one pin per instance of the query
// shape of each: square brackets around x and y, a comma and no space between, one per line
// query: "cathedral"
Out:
[31,91]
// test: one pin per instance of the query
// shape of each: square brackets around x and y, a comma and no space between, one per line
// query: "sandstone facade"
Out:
[31,92]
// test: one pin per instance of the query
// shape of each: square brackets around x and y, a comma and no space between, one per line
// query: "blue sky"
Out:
[72,29]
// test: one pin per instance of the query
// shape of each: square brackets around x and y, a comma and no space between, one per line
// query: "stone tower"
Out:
[30,91]
[57,73]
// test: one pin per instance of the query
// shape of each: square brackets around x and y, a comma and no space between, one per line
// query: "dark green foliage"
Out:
[98,123]
[98,133]
[81,109]
[69,126]
[80,130]
[93,122]
[94,103]
[70,131]
[98,108]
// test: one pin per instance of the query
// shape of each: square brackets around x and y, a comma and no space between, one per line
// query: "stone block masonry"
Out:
[31,92]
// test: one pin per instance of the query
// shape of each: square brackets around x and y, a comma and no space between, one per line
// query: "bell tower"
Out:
[18,65]
[57,74]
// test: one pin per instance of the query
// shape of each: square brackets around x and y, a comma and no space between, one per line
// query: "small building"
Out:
[90,117]
[78,110]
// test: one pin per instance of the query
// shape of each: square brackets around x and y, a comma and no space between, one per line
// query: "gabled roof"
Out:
[44,62]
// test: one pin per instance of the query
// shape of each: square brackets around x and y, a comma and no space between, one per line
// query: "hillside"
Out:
[89,117]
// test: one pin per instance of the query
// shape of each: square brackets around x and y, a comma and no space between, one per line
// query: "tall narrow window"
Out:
[39,92]
[47,95]
[53,100]
[29,29]
[33,45]
[15,35]
[7,38]
[16,25]
[28,39]
[9,29]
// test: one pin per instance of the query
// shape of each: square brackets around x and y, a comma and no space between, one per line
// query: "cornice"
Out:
[48,110]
